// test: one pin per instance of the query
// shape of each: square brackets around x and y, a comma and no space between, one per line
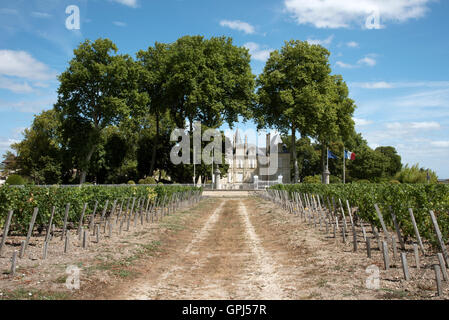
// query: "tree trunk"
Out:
[293,153]
[156,143]
[87,162]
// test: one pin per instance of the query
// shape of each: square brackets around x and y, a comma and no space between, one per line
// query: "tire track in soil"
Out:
[266,274]
[150,290]
[224,261]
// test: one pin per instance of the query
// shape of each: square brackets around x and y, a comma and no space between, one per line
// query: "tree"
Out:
[394,160]
[292,90]
[9,163]
[97,89]
[209,81]
[335,124]
[308,156]
[40,154]
[155,64]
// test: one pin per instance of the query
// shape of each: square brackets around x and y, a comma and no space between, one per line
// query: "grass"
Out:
[61,279]
[394,294]
[322,283]
[23,294]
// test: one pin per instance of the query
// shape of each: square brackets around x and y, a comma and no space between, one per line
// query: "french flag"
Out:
[349,155]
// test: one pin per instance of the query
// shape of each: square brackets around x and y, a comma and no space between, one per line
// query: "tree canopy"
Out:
[297,93]
[114,114]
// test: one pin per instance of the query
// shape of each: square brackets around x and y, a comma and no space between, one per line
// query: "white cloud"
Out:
[372,85]
[28,106]
[14,86]
[42,15]
[431,98]
[343,14]
[6,143]
[368,60]
[345,65]
[352,44]
[257,52]
[394,85]
[129,3]
[424,125]
[8,11]
[119,23]
[324,42]
[362,122]
[238,25]
[440,144]
[21,64]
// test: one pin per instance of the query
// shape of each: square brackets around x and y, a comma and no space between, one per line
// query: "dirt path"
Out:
[246,248]
[225,260]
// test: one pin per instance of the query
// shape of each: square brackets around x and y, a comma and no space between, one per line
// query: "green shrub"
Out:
[334,179]
[15,180]
[147,180]
[312,179]
[131,182]
[414,174]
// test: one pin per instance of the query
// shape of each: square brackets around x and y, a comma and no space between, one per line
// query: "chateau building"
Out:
[247,161]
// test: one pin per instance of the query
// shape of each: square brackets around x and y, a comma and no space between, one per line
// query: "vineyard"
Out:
[390,198]
[33,217]
[400,218]
[24,199]
[302,241]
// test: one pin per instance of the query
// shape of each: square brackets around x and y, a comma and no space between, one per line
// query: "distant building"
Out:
[245,164]
[3,172]
[445,181]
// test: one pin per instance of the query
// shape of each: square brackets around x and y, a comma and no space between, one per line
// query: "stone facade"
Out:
[246,163]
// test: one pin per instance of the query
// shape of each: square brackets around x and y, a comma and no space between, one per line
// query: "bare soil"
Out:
[240,247]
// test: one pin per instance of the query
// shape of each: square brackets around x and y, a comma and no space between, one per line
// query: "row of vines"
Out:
[22,200]
[421,198]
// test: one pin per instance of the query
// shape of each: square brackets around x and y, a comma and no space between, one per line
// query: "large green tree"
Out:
[98,89]
[335,124]
[209,80]
[394,160]
[155,62]
[293,91]
[40,153]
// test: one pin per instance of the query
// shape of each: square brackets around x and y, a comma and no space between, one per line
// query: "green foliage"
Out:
[414,174]
[334,179]
[15,179]
[39,154]
[97,90]
[131,182]
[296,92]
[312,179]
[24,199]
[420,197]
[147,180]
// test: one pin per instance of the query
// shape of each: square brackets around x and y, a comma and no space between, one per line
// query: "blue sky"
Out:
[393,54]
